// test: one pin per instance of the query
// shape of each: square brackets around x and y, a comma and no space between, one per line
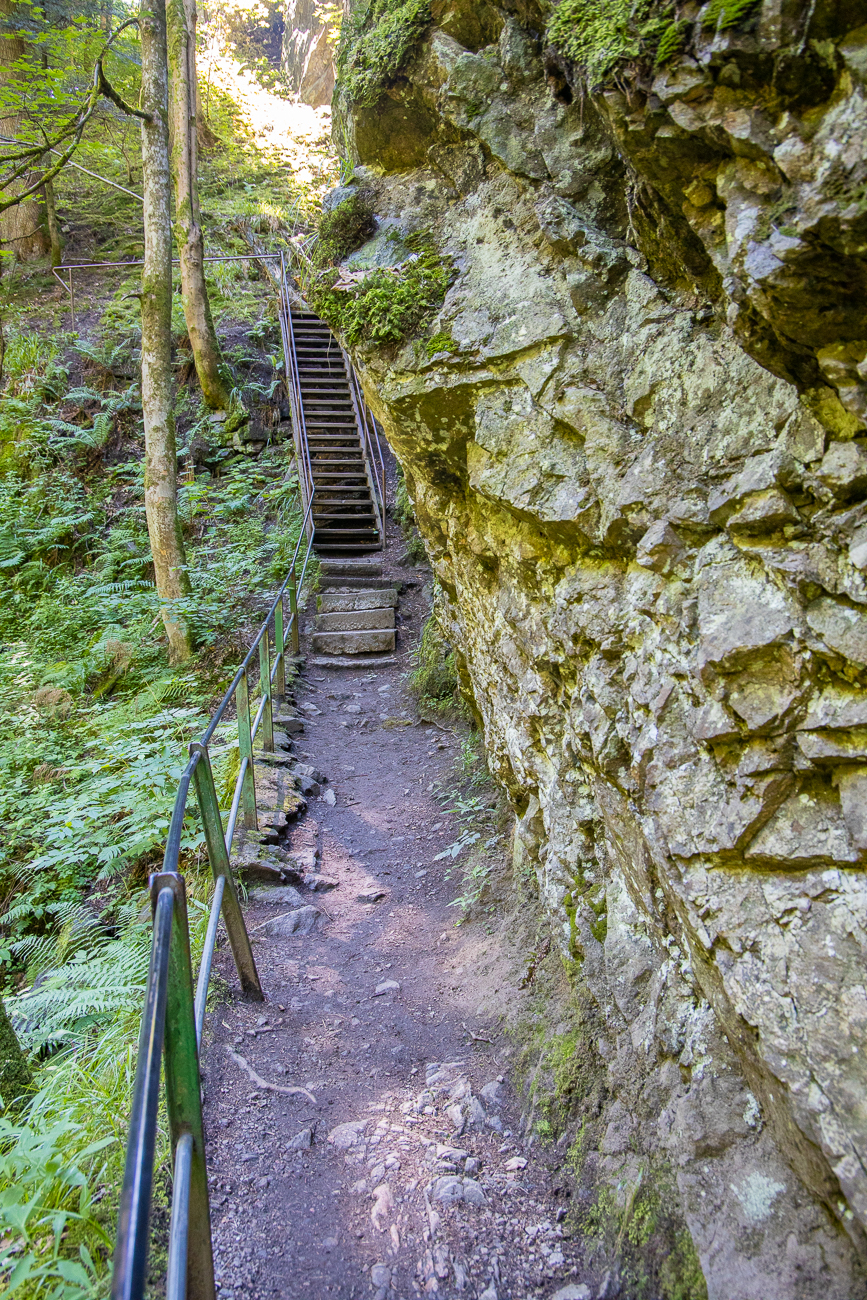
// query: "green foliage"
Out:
[44,1194]
[726,13]
[375,45]
[441,342]
[405,516]
[388,304]
[599,35]
[434,679]
[344,229]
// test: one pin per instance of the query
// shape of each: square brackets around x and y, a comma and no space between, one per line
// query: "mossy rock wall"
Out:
[640,469]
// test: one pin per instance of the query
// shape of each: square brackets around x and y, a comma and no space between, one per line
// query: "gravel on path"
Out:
[407,1174]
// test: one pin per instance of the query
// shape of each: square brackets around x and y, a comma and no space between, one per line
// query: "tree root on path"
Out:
[263,1083]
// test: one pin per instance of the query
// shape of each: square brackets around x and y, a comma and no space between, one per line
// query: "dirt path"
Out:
[407,1175]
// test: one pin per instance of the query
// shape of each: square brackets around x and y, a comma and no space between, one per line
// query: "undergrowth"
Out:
[630,1222]
[404,515]
[94,724]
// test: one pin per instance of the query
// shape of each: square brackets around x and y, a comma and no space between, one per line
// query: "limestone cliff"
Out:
[307,57]
[635,439]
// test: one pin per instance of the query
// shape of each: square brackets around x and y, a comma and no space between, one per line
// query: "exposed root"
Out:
[263,1083]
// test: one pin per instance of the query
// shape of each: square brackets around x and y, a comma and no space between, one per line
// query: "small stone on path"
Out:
[373,895]
[301,1141]
[300,921]
[387,986]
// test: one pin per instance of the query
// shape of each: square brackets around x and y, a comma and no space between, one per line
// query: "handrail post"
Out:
[220,866]
[245,746]
[184,1100]
[265,687]
[293,612]
[280,651]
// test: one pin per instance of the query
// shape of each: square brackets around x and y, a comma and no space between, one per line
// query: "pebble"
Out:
[474,1193]
[277,894]
[373,895]
[301,921]
[301,1141]
[347,1135]
[572,1291]
[387,986]
[382,1207]
[448,1189]
[330,798]
[380,1275]
[316,882]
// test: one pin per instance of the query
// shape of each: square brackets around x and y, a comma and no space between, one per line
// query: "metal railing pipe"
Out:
[236,802]
[179,1227]
[208,957]
[130,1260]
[218,856]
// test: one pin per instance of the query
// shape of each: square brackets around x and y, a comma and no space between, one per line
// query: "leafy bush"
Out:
[375,46]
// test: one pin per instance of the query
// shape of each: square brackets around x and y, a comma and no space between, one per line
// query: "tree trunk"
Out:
[161,461]
[15,1077]
[181,15]
[22,228]
[53,225]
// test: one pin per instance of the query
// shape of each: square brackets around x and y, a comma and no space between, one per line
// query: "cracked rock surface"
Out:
[639,468]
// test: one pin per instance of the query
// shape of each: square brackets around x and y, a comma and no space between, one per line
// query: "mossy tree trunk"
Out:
[15,1077]
[181,15]
[161,461]
[22,227]
[55,238]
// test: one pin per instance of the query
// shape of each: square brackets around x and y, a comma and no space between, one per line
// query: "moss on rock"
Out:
[375,45]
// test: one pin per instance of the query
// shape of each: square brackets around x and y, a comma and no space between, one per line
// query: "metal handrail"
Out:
[365,422]
[293,383]
[174,1013]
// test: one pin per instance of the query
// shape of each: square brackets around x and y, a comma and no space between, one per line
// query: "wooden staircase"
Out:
[346,512]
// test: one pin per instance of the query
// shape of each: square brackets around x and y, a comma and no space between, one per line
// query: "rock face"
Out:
[639,462]
[307,56]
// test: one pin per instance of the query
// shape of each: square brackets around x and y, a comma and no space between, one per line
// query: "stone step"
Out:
[333,602]
[341,661]
[352,568]
[353,643]
[351,584]
[361,620]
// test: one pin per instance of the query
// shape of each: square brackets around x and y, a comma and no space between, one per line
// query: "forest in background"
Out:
[94,717]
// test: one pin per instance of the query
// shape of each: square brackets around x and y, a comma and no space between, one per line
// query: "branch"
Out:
[107,89]
[101,86]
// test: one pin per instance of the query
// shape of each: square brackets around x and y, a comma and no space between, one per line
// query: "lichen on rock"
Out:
[640,471]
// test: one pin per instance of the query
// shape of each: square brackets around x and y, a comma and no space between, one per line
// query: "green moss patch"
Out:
[598,35]
[389,304]
[344,229]
[375,46]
